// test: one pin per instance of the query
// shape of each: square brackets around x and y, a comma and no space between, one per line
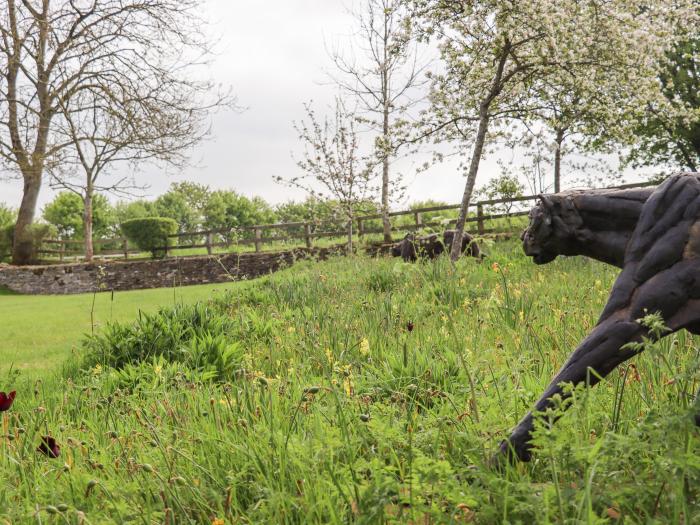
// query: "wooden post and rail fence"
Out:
[304,232]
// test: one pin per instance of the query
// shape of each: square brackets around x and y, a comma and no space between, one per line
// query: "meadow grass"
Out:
[303,397]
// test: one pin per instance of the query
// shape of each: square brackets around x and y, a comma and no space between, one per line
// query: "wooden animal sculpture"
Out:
[654,236]
[412,247]
[431,246]
[469,245]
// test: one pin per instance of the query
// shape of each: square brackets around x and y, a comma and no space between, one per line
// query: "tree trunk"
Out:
[496,87]
[471,179]
[350,236]
[87,225]
[557,160]
[23,246]
[386,222]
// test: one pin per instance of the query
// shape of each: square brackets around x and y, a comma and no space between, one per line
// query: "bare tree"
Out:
[104,131]
[51,51]
[334,169]
[385,82]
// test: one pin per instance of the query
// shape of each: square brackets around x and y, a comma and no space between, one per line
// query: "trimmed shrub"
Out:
[150,234]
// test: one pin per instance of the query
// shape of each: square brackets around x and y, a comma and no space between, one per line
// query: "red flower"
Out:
[49,447]
[6,400]
[409,326]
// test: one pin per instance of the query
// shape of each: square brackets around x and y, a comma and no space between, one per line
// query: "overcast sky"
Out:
[273,55]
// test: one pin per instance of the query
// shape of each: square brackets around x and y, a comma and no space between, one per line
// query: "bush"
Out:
[150,234]
[193,335]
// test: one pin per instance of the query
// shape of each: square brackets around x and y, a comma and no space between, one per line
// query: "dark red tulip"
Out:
[409,326]
[49,447]
[6,400]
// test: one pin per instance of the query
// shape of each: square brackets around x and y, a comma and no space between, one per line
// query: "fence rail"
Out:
[306,233]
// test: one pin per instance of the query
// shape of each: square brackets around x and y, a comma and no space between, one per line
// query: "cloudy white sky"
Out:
[274,56]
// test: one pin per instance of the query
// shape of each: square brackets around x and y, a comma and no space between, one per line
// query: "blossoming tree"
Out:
[498,54]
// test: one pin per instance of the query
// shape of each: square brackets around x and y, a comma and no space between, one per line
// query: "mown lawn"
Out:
[38,333]
[304,397]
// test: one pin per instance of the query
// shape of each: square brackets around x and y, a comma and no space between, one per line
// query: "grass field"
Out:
[40,332]
[303,397]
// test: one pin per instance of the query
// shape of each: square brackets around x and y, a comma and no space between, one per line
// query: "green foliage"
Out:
[431,216]
[7,224]
[184,202]
[227,210]
[193,335]
[504,186]
[150,233]
[196,195]
[66,211]
[671,135]
[7,215]
[175,206]
[138,209]
[309,210]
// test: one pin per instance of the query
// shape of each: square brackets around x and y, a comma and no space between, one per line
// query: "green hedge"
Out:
[150,234]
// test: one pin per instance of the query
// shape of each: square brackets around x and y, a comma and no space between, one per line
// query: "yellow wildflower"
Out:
[217,521]
[347,386]
[329,355]
[364,346]
[97,370]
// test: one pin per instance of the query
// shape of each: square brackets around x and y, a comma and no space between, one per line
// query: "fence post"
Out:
[209,242]
[258,239]
[61,250]
[480,218]
[419,219]
[307,234]
[125,243]
[360,227]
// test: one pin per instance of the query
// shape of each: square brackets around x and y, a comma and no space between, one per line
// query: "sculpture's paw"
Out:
[508,454]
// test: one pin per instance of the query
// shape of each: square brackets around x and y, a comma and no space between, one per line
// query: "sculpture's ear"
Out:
[547,203]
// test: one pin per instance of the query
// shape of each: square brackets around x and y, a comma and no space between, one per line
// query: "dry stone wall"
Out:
[135,275]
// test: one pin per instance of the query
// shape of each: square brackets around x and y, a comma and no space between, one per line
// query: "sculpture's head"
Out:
[540,239]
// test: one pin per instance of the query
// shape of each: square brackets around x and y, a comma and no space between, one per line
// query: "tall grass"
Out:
[305,398]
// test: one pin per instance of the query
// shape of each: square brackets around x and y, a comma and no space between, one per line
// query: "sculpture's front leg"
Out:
[600,351]
[673,293]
